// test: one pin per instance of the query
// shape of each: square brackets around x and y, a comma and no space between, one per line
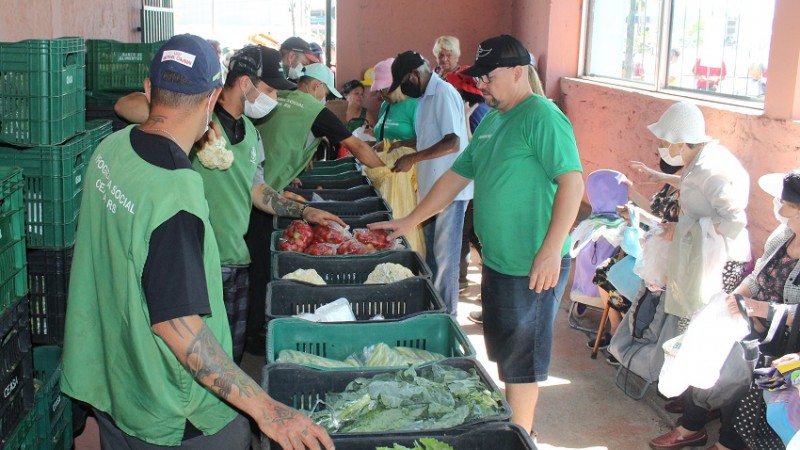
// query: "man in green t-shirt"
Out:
[156,364]
[528,187]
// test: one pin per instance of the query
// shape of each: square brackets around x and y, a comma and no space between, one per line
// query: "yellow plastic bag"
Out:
[399,189]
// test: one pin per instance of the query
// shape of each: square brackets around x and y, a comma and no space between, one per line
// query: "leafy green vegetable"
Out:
[422,444]
[439,397]
[378,355]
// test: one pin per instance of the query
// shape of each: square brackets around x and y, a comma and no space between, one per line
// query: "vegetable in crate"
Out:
[306,275]
[286,245]
[351,247]
[321,249]
[378,355]
[376,239]
[388,273]
[439,397]
[422,444]
[297,236]
[331,234]
[307,359]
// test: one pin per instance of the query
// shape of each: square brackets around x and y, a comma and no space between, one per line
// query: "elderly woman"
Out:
[446,50]
[713,185]
[356,115]
[398,113]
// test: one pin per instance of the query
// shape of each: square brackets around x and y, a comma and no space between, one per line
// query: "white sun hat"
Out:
[683,122]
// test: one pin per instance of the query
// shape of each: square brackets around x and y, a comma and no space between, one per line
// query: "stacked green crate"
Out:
[53,410]
[23,437]
[118,66]
[42,91]
[13,276]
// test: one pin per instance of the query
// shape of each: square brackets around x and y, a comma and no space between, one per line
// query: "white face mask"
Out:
[259,108]
[295,72]
[208,115]
[676,161]
[776,207]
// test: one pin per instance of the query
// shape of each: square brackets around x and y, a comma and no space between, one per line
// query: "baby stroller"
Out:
[594,240]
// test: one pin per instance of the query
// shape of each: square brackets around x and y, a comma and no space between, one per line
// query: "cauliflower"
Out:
[306,275]
[388,273]
[214,155]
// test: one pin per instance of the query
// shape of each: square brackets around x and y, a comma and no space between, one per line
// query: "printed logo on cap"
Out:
[482,53]
[187,59]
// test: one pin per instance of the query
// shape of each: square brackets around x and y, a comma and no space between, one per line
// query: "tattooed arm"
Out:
[268,200]
[199,351]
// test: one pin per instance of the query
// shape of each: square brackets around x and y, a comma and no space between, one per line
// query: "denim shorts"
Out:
[518,324]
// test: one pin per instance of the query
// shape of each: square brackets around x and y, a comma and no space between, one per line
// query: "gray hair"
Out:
[449,43]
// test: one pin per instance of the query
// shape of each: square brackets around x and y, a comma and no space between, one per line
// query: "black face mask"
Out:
[410,89]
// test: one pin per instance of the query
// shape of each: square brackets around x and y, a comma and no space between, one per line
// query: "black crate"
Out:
[280,223]
[301,387]
[16,370]
[323,183]
[355,209]
[15,341]
[354,271]
[405,298]
[341,195]
[488,436]
[48,281]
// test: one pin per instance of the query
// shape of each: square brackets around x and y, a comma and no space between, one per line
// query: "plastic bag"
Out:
[361,133]
[653,265]
[622,277]
[703,350]
[632,235]
[338,310]
[399,189]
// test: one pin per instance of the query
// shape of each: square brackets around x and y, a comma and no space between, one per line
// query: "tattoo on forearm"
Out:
[205,358]
[279,205]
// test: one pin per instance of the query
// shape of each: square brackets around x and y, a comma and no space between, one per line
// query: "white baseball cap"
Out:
[683,122]
[322,73]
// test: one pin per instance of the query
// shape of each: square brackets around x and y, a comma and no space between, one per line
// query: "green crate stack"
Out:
[42,91]
[23,437]
[118,66]
[13,275]
[16,368]
[53,410]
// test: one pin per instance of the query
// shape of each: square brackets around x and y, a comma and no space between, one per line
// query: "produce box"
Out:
[355,208]
[340,170]
[355,271]
[118,66]
[98,130]
[342,195]
[324,182]
[437,333]
[331,175]
[48,279]
[16,369]
[53,409]
[42,84]
[348,161]
[13,281]
[405,298]
[53,176]
[301,388]
[23,437]
[361,221]
[487,436]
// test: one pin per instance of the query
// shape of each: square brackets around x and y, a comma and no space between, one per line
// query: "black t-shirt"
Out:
[173,278]
[328,125]
[233,128]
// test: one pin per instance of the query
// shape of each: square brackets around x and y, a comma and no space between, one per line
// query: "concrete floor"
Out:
[579,408]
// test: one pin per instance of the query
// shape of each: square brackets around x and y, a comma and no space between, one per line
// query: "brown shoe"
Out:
[674,441]
[675,406]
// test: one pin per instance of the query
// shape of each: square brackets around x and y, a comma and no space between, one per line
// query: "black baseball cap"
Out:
[500,51]
[403,65]
[261,62]
[785,186]
[299,45]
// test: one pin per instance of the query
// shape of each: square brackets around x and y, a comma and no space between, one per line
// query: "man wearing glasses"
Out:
[441,138]
[528,186]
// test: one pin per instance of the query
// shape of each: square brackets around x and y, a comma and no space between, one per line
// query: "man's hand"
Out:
[214,132]
[404,163]
[650,175]
[296,183]
[545,270]
[291,429]
[398,227]
[318,216]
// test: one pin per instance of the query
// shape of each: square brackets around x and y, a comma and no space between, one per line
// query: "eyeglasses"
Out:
[489,77]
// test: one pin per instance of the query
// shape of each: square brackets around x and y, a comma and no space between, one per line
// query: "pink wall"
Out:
[610,128]
[46,19]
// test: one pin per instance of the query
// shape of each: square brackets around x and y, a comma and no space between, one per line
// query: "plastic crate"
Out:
[355,209]
[400,300]
[97,130]
[53,410]
[323,182]
[339,171]
[487,436]
[355,271]
[438,333]
[115,66]
[280,223]
[23,437]
[13,279]
[341,195]
[301,387]
[347,160]
[48,279]
[53,176]
[310,177]
[42,84]
[16,371]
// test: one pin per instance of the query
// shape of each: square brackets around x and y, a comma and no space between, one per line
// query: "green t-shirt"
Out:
[398,122]
[514,158]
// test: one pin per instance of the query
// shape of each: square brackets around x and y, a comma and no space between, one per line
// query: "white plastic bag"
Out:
[703,350]
[361,133]
[336,311]
[653,265]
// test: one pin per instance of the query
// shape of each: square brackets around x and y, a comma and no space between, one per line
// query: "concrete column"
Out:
[782,100]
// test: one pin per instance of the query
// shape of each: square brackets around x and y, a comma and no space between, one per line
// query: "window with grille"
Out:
[158,20]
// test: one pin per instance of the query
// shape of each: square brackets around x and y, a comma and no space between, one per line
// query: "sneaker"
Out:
[603,342]
[476,316]
[612,361]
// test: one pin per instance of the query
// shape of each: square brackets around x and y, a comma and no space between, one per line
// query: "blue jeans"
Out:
[443,245]
[518,323]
